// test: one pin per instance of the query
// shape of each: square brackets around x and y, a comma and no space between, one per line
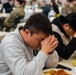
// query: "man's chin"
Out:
[35,47]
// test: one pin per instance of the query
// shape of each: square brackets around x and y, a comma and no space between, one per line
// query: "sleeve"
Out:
[46,10]
[52,60]
[56,9]
[9,9]
[19,65]
[65,51]
[21,13]
[13,16]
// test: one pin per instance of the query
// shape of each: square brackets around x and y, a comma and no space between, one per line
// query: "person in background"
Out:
[45,8]
[7,6]
[54,6]
[67,8]
[17,48]
[74,6]
[35,3]
[15,15]
[64,29]
[48,7]
[59,3]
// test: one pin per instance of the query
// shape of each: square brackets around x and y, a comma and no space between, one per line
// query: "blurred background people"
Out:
[7,6]
[14,18]
[35,3]
[74,6]
[45,8]
[67,8]
[48,8]
[64,29]
[54,6]
[59,2]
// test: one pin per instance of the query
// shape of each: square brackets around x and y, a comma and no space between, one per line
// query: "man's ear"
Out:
[27,32]
[66,25]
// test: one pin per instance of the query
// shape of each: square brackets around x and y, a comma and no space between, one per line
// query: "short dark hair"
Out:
[63,20]
[38,22]
[70,19]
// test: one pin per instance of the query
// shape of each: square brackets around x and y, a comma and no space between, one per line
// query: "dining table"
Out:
[64,65]
[70,63]
[4,14]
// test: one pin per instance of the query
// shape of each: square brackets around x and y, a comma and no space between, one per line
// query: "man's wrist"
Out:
[51,52]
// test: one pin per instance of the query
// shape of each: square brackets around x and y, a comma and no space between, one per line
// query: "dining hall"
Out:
[37,37]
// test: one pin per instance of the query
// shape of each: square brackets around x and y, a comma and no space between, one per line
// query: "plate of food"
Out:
[56,72]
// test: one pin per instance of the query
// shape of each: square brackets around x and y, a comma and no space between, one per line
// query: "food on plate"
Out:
[56,72]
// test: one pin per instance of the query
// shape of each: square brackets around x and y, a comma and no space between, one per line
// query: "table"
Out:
[68,63]
[51,18]
[2,34]
[4,14]
[20,24]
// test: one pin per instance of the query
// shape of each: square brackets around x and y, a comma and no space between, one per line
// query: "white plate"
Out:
[55,70]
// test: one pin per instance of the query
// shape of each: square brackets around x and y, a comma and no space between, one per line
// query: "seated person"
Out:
[7,6]
[67,8]
[52,6]
[45,7]
[17,48]
[73,5]
[64,28]
[18,12]
[35,2]
[59,3]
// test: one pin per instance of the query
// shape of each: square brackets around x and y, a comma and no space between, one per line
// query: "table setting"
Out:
[65,67]
[56,71]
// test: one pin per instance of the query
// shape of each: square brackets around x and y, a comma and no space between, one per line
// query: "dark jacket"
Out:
[46,9]
[64,50]
[55,9]
[8,7]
